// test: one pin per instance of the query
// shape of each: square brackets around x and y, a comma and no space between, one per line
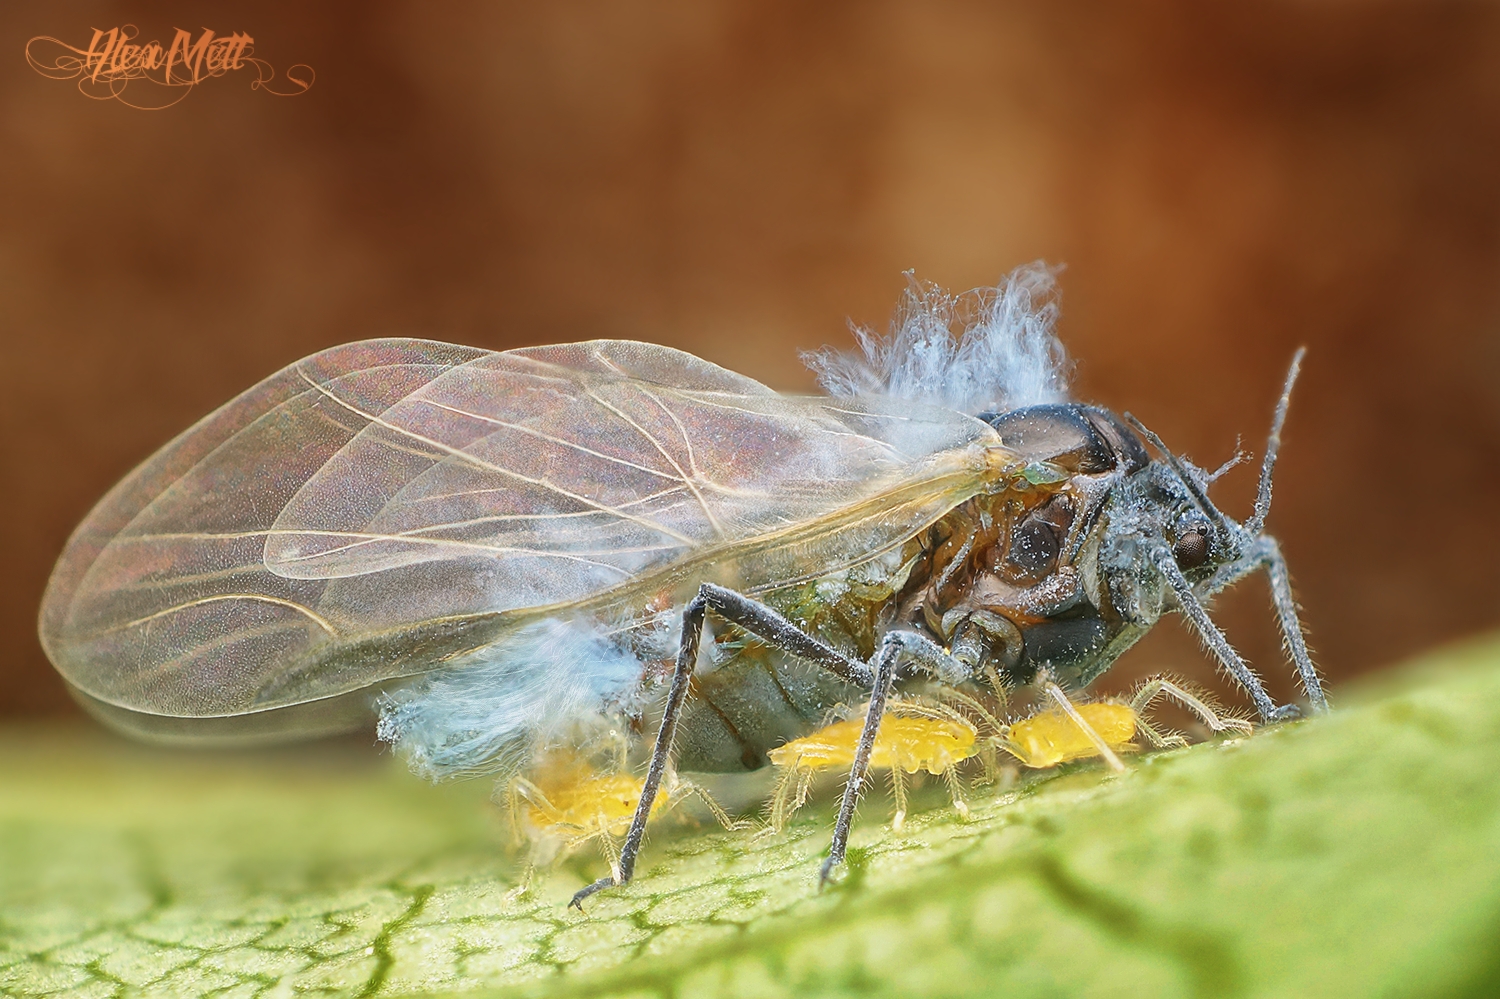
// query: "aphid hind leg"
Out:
[885,661]
[687,657]
[765,623]
[768,625]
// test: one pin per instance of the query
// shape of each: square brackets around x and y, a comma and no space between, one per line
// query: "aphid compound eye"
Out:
[1191,549]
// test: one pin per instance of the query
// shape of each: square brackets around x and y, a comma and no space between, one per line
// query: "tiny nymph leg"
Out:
[1159,686]
[1071,710]
[898,791]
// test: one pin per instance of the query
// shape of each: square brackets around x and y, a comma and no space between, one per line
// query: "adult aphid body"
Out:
[509,554]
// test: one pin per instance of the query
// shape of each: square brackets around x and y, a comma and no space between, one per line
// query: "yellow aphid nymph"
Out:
[1052,737]
[569,803]
[904,744]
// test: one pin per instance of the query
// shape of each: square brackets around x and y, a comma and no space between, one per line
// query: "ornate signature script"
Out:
[112,61]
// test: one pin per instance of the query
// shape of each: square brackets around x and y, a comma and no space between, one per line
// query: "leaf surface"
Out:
[1354,855]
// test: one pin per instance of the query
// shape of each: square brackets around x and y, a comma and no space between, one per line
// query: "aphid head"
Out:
[1164,545]
[1202,538]
[1171,506]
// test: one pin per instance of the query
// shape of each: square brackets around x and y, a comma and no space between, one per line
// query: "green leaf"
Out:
[1352,855]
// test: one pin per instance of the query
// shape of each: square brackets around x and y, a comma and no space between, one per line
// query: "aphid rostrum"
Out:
[507,554]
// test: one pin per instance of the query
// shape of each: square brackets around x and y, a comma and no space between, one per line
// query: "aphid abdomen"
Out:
[753,702]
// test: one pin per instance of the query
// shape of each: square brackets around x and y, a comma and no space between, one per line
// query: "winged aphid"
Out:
[505,554]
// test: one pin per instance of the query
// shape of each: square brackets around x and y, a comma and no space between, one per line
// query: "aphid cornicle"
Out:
[507,553]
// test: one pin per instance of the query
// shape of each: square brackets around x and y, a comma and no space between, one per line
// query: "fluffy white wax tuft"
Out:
[486,711]
[1003,356]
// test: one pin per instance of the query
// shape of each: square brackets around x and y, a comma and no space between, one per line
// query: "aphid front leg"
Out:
[1187,600]
[1266,554]
[771,627]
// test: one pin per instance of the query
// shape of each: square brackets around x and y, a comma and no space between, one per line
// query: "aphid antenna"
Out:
[1257,519]
[1239,457]
[1189,480]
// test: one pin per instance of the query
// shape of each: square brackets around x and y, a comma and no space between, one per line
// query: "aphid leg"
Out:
[782,808]
[687,657]
[1187,600]
[513,809]
[523,887]
[606,844]
[898,791]
[792,789]
[1157,686]
[1002,693]
[523,789]
[1266,554]
[1291,624]
[885,672]
[989,765]
[682,789]
[804,788]
[956,792]
[767,624]
[1063,701]
[1158,741]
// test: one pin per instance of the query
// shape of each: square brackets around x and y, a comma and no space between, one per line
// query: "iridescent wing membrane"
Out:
[380,508]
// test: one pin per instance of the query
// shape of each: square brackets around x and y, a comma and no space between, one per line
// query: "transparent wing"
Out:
[381,507]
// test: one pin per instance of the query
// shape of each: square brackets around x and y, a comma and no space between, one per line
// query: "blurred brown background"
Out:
[1224,182]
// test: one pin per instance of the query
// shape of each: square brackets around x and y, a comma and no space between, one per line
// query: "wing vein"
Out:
[312,615]
[486,466]
[686,479]
[548,437]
